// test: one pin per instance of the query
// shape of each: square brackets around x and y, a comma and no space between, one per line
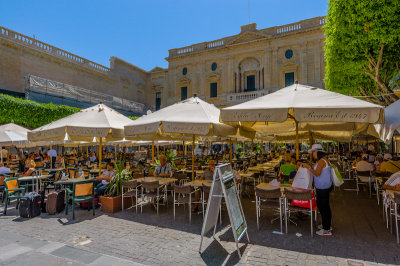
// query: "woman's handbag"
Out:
[336,176]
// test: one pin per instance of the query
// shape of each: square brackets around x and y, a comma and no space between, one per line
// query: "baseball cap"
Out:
[316,147]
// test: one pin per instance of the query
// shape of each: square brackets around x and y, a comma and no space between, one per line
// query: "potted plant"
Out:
[112,200]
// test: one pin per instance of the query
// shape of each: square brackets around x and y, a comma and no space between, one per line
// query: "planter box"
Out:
[114,204]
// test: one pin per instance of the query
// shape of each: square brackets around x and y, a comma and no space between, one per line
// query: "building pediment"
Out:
[248,37]
[183,80]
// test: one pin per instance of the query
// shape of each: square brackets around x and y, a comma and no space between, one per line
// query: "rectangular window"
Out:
[158,100]
[183,93]
[213,90]
[289,79]
[251,83]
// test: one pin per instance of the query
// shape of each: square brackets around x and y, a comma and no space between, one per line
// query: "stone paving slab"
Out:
[360,237]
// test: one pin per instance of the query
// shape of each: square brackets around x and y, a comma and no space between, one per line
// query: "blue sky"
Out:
[141,32]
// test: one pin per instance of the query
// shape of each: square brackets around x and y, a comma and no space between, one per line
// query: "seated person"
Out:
[354,164]
[4,170]
[365,166]
[388,165]
[31,169]
[287,168]
[93,157]
[293,173]
[104,179]
[164,169]
[378,162]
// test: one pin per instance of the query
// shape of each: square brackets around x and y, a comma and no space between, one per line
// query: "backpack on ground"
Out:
[30,205]
[55,202]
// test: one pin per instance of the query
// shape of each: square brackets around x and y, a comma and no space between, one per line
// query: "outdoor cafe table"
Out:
[267,186]
[33,179]
[54,170]
[199,183]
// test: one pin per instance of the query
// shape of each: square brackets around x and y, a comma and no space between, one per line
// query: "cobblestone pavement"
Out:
[360,236]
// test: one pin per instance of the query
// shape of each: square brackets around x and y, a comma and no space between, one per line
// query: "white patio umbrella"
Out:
[99,121]
[299,107]
[189,118]
[392,123]
[12,135]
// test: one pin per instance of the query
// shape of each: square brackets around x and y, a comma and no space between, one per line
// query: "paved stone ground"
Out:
[360,237]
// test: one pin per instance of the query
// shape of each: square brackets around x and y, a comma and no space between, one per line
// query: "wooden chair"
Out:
[268,200]
[12,190]
[82,191]
[298,195]
[130,190]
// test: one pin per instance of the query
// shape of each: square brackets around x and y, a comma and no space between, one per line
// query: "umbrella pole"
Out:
[230,151]
[193,145]
[152,152]
[297,140]
[100,154]
[51,157]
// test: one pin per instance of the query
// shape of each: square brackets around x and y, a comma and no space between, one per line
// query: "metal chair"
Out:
[151,190]
[268,199]
[359,180]
[183,195]
[130,190]
[298,195]
[396,201]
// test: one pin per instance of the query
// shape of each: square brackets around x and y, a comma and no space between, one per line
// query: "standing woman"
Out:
[323,184]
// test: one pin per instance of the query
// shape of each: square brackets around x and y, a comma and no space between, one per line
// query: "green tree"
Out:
[362,48]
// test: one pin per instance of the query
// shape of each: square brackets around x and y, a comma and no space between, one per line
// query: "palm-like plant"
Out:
[114,189]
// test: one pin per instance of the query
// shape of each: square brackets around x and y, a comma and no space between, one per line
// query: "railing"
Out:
[301,25]
[31,42]
[240,97]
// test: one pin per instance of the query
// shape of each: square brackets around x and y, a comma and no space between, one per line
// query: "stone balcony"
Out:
[273,31]
[50,49]
[240,97]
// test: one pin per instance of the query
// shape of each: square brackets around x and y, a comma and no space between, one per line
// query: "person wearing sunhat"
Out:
[323,184]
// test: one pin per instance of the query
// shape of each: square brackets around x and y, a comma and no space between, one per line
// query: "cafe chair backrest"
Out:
[83,189]
[182,189]
[151,184]
[2,177]
[298,195]
[268,194]
[11,183]
[364,173]
[130,184]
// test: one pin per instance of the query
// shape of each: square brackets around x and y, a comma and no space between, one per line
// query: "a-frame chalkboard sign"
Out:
[224,185]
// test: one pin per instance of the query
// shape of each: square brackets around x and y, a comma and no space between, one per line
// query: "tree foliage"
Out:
[362,48]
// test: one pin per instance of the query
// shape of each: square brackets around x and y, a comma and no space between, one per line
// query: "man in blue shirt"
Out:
[164,169]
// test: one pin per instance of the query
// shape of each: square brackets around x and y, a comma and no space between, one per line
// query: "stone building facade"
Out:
[224,72]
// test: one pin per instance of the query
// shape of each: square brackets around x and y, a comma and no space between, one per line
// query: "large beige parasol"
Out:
[191,117]
[300,107]
[99,121]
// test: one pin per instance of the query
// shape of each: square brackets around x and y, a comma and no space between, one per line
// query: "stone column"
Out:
[317,62]
[303,63]
[267,70]
[275,68]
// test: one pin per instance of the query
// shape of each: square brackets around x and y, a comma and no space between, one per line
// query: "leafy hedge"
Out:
[29,113]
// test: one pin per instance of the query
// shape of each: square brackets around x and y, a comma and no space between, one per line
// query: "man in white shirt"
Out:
[365,166]
[4,154]
[52,153]
[4,170]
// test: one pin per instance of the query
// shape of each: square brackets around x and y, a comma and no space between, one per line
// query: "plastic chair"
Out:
[82,191]
[12,190]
